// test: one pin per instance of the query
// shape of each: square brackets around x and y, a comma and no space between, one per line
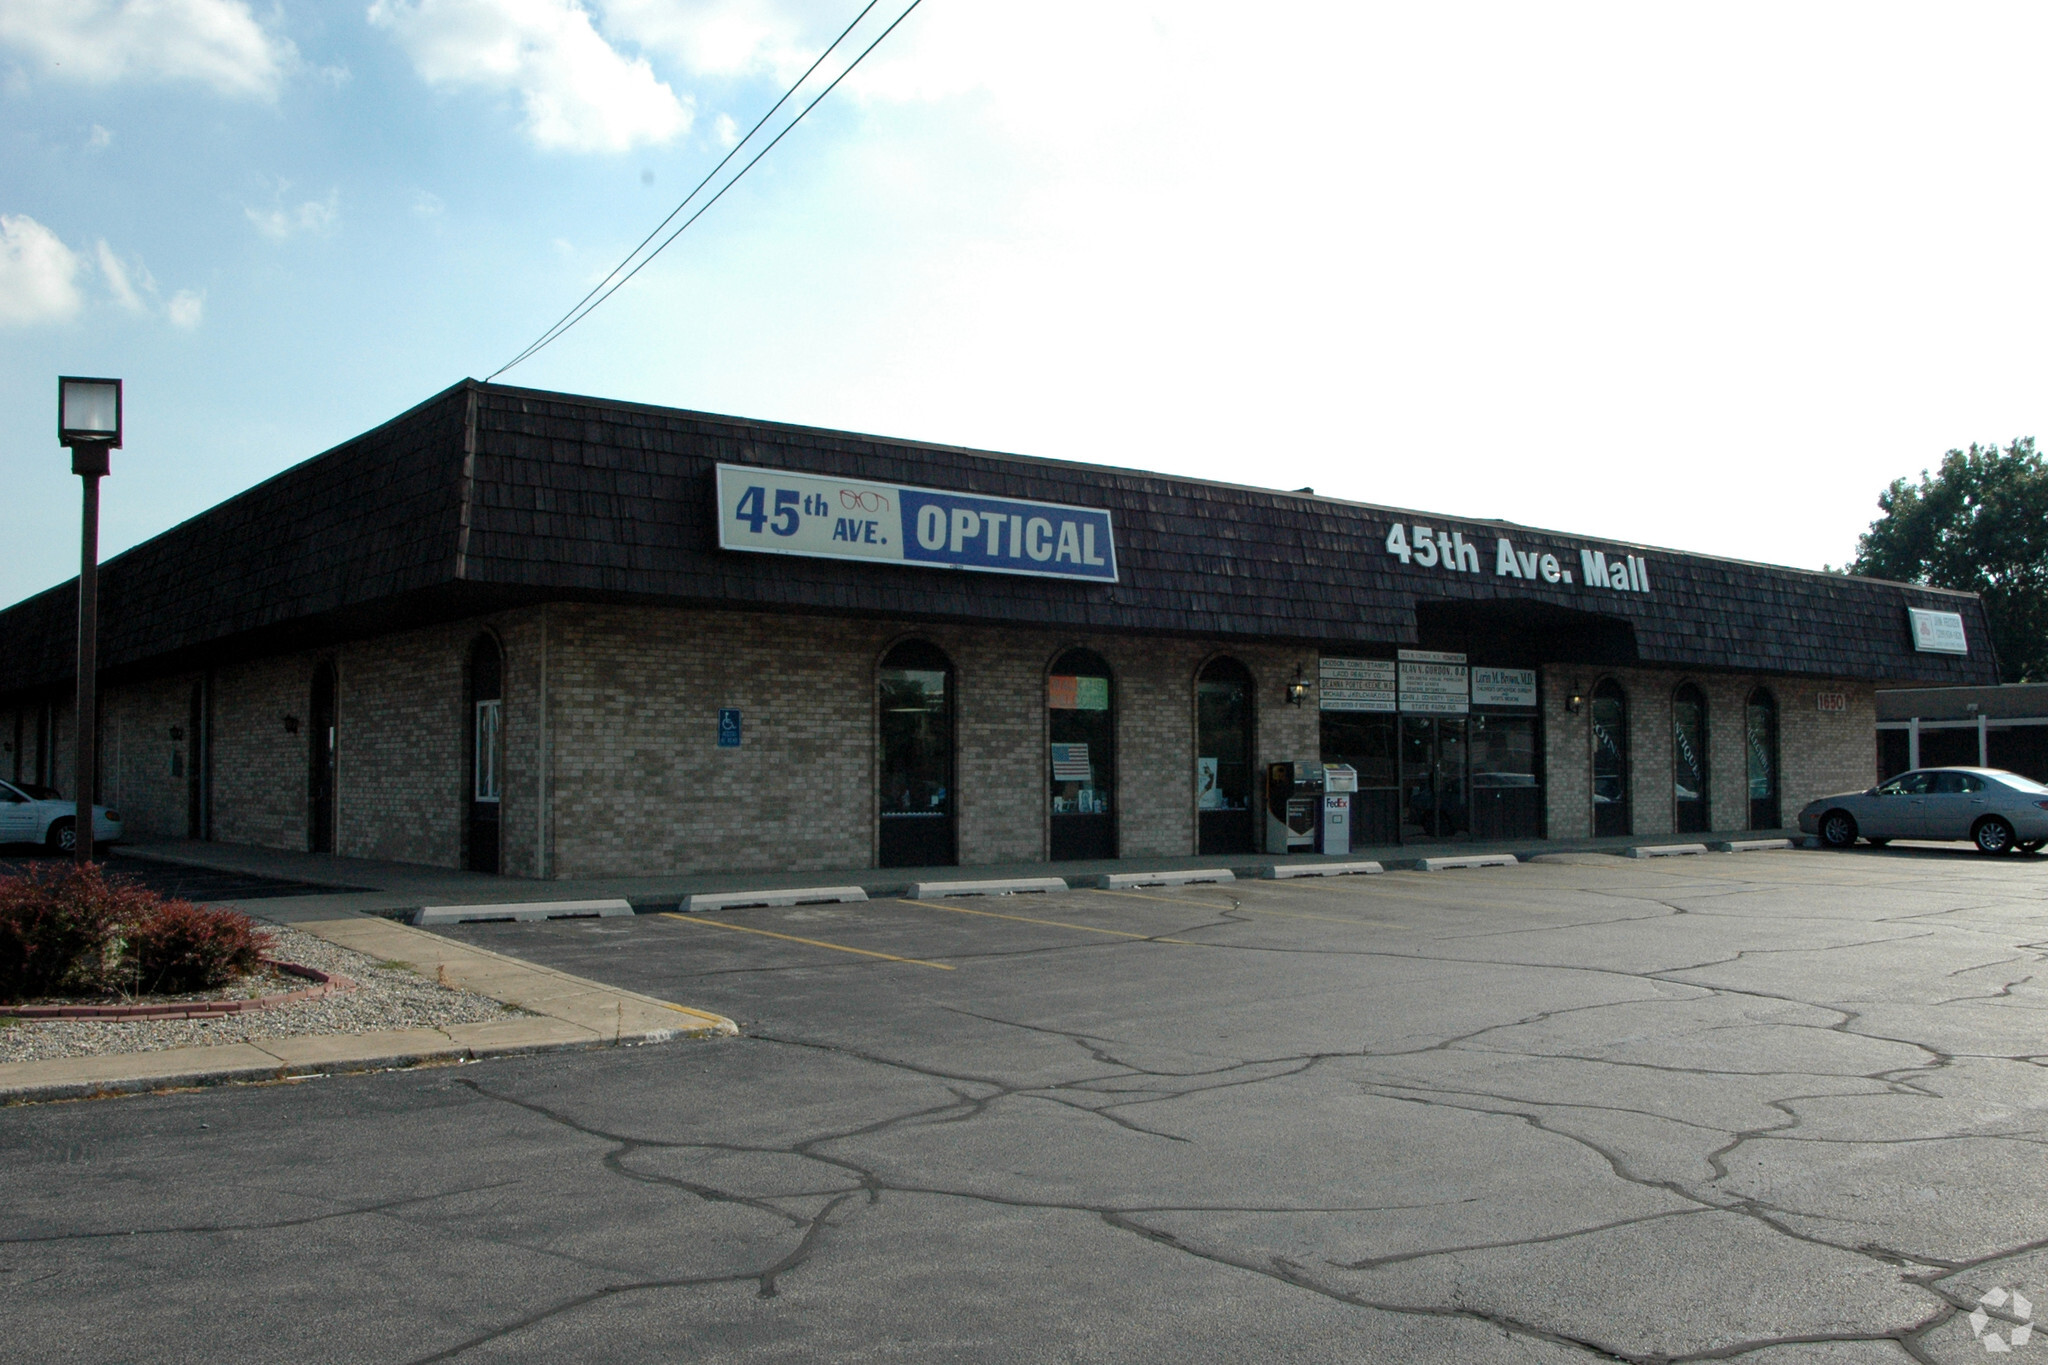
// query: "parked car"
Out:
[1994,809]
[39,815]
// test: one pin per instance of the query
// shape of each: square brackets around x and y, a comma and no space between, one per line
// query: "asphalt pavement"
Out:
[1778,1107]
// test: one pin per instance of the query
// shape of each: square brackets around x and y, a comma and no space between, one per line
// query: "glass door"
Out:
[1507,803]
[1223,758]
[917,758]
[1081,723]
[1434,782]
[1610,760]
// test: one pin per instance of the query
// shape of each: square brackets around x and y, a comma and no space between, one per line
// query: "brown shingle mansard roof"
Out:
[485,496]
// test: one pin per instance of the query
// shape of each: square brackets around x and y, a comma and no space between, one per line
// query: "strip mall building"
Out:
[558,636]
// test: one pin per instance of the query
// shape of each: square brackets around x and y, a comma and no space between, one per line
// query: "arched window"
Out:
[1223,757]
[1760,742]
[1610,759]
[1691,805]
[1080,699]
[322,746]
[916,769]
[486,750]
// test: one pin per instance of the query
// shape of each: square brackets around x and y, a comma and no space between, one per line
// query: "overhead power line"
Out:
[615,280]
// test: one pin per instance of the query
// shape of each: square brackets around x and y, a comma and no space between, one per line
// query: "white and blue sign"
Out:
[771,512]
[728,727]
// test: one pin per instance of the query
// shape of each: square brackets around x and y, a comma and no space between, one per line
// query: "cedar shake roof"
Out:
[487,496]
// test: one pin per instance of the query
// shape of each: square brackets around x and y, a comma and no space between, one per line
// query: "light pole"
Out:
[89,422]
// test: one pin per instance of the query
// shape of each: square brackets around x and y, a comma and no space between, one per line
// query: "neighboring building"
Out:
[535,632]
[1970,727]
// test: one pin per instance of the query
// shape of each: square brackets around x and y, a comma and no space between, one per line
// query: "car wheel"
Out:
[1837,829]
[63,837]
[2032,845]
[1993,836]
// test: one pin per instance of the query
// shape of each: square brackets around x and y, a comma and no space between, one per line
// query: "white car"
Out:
[1996,810]
[38,815]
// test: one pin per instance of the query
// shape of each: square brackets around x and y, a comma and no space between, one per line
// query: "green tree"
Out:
[1979,523]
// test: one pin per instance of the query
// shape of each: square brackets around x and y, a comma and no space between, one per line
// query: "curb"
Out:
[1751,845]
[920,891]
[1664,850]
[745,900]
[1285,871]
[1467,860]
[1115,881]
[325,984]
[144,1081]
[520,910]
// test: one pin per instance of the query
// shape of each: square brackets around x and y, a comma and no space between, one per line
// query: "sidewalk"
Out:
[568,1012]
[401,887]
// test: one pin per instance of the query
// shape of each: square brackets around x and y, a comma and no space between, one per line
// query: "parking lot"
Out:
[1776,1106]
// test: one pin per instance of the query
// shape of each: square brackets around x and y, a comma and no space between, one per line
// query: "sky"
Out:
[1699,276]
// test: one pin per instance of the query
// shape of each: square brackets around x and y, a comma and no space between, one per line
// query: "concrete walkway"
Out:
[568,1012]
[399,887]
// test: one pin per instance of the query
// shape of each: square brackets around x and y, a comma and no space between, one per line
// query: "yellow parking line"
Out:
[792,938]
[1054,923]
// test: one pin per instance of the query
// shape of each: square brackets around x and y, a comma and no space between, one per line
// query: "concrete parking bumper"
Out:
[566,1012]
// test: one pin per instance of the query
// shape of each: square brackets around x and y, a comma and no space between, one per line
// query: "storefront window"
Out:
[1761,743]
[1081,724]
[1610,759]
[1223,757]
[1366,741]
[1689,799]
[1506,801]
[916,767]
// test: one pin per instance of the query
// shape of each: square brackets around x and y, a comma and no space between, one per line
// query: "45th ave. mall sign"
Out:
[1450,551]
[772,512]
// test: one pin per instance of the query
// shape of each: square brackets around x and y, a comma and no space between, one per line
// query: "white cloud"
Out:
[281,220]
[726,131]
[427,204]
[723,37]
[186,308]
[579,93]
[115,272]
[38,274]
[99,139]
[215,43]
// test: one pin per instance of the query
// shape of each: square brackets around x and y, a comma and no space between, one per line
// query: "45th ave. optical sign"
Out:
[772,512]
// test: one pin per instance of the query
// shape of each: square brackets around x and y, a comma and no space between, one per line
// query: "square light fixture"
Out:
[88,411]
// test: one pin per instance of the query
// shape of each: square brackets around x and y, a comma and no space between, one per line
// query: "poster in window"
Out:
[1207,795]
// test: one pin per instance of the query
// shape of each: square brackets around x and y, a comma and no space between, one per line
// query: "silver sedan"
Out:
[1996,810]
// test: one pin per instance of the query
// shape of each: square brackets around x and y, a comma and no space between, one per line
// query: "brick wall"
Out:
[1818,752]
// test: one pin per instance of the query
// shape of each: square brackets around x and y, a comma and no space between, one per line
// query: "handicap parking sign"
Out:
[728,727]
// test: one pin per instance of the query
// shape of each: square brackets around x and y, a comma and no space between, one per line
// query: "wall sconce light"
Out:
[1297,691]
[1575,699]
[291,725]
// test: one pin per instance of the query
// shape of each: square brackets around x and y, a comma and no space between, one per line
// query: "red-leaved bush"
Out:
[184,948]
[73,932]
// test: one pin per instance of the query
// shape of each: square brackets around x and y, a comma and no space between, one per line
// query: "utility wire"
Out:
[567,319]
[590,302]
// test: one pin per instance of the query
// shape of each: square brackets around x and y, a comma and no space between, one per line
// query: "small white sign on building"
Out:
[1503,687]
[1357,685]
[1938,632]
[1434,683]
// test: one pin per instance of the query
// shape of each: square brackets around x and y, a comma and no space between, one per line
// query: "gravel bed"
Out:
[384,998]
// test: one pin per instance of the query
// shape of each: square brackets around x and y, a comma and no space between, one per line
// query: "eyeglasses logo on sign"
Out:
[773,512]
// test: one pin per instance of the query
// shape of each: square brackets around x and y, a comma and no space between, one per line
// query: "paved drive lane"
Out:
[1782,1107]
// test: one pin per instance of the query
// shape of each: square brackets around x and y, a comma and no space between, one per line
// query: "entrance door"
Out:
[1507,802]
[1081,724]
[1434,782]
[320,755]
[917,799]
[1689,798]
[486,755]
[1610,760]
[1223,758]
[198,762]
[1762,744]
